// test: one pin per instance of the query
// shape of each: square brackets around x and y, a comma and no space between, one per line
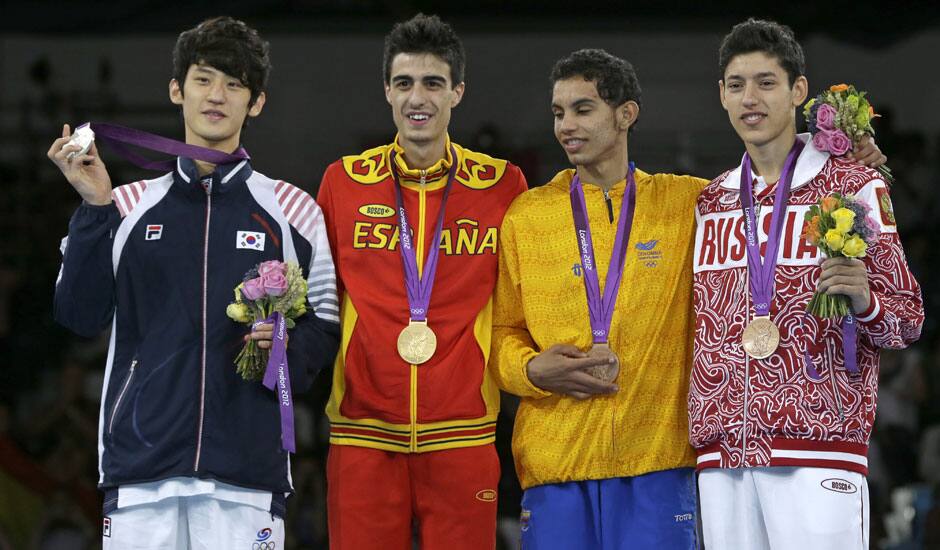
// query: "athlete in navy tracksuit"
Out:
[190,453]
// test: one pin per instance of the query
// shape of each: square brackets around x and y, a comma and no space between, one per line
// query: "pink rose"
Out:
[821,140]
[271,267]
[839,143]
[825,116]
[275,284]
[253,289]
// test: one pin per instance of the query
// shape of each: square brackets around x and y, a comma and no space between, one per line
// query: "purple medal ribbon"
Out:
[601,307]
[118,137]
[761,274]
[277,379]
[419,287]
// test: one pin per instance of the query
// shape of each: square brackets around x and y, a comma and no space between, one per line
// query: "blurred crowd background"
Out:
[109,62]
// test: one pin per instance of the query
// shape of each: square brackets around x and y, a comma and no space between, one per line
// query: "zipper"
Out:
[747,366]
[836,396]
[610,207]
[424,175]
[205,292]
[120,397]
[419,255]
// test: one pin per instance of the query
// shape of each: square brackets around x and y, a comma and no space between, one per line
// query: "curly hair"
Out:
[425,34]
[615,78]
[228,45]
[769,37]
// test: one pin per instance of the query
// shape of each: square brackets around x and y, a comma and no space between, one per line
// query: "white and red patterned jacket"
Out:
[746,412]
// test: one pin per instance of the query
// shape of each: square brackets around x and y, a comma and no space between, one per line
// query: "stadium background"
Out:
[111,62]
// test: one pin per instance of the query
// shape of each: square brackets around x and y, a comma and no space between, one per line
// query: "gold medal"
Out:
[416,342]
[608,372]
[761,338]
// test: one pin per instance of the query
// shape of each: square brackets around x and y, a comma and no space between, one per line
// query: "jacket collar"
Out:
[808,165]
[187,172]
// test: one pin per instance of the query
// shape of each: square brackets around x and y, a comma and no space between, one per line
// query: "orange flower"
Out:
[872,113]
[828,204]
[839,88]
[811,230]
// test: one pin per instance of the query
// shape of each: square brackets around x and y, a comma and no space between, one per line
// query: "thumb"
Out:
[65,130]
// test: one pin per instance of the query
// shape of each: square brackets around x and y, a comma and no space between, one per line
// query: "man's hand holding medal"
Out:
[77,158]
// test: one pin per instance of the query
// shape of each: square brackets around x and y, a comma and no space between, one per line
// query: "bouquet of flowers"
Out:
[839,226]
[270,287]
[838,117]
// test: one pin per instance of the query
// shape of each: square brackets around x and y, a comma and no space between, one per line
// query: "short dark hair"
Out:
[425,34]
[769,37]
[228,45]
[614,77]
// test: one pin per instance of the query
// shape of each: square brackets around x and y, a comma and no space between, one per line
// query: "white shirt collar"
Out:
[808,165]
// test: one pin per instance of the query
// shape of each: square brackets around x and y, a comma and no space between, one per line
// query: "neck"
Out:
[420,156]
[606,172]
[227,145]
[768,159]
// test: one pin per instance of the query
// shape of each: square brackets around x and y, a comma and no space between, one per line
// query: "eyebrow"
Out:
[764,74]
[428,78]
[577,103]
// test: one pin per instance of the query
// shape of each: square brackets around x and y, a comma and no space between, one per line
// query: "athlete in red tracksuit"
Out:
[413,444]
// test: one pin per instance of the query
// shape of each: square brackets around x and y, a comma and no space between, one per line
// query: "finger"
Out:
[580,396]
[264,344]
[841,261]
[263,326]
[846,290]
[584,382]
[567,350]
[843,271]
[66,131]
[582,363]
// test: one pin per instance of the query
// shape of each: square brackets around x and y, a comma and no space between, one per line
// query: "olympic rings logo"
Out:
[263,545]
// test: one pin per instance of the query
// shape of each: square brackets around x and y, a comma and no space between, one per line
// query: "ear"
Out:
[459,89]
[388,93]
[800,90]
[627,115]
[256,107]
[176,92]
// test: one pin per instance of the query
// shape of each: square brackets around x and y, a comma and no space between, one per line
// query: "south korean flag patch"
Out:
[251,240]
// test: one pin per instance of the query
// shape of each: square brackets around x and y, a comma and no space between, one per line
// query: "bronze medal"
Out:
[761,338]
[609,372]
[417,343]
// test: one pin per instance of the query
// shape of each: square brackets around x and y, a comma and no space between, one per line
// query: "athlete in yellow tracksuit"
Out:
[613,470]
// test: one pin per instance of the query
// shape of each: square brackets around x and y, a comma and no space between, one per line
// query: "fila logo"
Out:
[154,232]
[106,526]
[251,240]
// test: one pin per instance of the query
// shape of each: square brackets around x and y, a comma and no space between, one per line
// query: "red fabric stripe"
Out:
[825,446]
[805,462]
[371,433]
[456,433]
[278,186]
[302,210]
[294,193]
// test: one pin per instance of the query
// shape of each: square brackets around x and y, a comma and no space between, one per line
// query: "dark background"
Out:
[109,62]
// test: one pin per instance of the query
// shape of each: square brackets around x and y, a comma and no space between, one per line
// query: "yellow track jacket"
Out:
[540,301]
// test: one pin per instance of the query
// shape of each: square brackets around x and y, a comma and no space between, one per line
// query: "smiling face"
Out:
[421,95]
[215,106]
[589,130]
[760,101]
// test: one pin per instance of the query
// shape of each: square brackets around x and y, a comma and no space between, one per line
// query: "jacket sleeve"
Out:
[896,314]
[512,346]
[84,290]
[315,338]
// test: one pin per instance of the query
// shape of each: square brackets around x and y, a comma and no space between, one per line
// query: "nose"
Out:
[417,97]
[565,124]
[217,92]
[750,95]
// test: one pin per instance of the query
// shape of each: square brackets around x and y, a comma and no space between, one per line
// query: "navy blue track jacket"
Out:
[159,264]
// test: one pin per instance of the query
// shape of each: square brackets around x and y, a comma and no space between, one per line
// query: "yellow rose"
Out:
[844,219]
[238,312]
[854,247]
[835,240]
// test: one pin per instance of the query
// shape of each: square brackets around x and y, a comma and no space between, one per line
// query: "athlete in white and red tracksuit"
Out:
[749,413]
